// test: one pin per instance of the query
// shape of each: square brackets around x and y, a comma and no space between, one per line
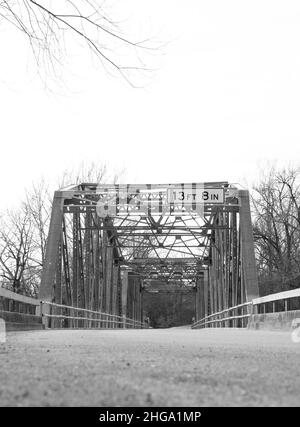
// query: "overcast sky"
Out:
[224,101]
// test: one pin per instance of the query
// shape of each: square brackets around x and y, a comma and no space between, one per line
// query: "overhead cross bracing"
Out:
[146,233]
[192,236]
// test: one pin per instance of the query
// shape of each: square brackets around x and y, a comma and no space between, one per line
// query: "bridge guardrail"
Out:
[280,296]
[222,316]
[21,312]
[7,294]
[69,319]
[273,303]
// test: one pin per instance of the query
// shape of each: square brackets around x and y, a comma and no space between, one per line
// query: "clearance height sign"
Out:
[198,196]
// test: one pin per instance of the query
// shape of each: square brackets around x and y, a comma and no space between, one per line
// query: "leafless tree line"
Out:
[276,220]
[23,231]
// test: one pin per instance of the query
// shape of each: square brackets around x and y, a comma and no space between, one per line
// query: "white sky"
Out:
[224,101]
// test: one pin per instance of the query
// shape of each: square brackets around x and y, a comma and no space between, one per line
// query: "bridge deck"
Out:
[164,367]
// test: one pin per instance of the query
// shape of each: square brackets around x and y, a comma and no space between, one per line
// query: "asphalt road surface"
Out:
[166,367]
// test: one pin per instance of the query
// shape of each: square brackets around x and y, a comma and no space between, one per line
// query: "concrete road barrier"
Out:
[21,321]
[284,320]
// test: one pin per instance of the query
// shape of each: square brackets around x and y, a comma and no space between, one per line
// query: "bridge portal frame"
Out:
[91,272]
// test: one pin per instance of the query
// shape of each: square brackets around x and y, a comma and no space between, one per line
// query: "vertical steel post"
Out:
[205,289]
[124,291]
[49,273]
[247,247]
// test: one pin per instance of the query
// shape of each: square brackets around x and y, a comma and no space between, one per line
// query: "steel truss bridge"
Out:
[109,244]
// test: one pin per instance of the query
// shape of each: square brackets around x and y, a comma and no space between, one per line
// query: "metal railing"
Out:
[13,302]
[240,314]
[59,315]
[64,316]
[19,311]
[222,318]
[275,302]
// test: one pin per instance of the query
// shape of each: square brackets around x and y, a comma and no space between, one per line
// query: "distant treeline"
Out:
[169,309]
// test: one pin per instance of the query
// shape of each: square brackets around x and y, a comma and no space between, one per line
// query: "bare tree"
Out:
[16,250]
[38,204]
[87,172]
[24,231]
[276,203]
[48,25]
